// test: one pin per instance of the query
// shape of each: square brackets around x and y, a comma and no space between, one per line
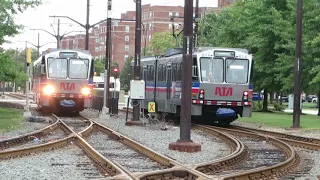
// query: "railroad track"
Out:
[223,168]
[114,161]
[277,170]
[19,96]
[297,141]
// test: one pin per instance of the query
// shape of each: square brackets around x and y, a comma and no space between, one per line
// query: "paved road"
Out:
[306,111]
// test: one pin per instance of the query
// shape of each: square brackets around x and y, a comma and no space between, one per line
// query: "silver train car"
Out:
[221,83]
[63,81]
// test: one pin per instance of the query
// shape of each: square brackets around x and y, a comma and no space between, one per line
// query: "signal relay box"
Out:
[137,89]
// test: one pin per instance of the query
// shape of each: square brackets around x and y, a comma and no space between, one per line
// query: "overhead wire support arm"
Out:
[46,32]
[82,25]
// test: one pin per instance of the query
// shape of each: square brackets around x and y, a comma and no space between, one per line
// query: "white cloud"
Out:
[38,18]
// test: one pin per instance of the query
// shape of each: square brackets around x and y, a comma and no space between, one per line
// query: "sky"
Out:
[38,18]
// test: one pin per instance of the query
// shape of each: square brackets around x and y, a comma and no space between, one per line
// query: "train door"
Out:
[169,80]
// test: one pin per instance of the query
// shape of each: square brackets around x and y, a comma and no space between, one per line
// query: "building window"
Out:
[170,26]
[149,37]
[150,15]
[126,57]
[150,26]
[101,48]
[127,28]
[170,14]
[126,47]
[126,38]
[97,49]
[97,40]
[177,14]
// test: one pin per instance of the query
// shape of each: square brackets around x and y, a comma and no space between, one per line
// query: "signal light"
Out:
[115,72]
[28,55]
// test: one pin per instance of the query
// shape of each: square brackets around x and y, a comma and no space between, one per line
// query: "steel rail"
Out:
[103,164]
[4,144]
[297,141]
[240,152]
[269,172]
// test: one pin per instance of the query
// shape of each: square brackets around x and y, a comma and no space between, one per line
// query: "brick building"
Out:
[154,19]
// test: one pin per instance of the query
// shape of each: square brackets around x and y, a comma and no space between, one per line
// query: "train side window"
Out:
[159,72]
[152,73]
[164,72]
[144,73]
[178,72]
[174,71]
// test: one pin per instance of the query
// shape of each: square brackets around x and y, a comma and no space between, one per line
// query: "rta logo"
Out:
[223,91]
[67,86]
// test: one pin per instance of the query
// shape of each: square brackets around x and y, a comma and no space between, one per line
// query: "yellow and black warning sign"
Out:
[151,107]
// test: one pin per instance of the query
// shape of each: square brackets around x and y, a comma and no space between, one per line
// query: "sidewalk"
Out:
[305,111]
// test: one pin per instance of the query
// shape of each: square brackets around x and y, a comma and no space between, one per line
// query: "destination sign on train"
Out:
[224,53]
[68,54]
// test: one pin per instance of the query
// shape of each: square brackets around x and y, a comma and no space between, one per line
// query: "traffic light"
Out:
[28,55]
[115,72]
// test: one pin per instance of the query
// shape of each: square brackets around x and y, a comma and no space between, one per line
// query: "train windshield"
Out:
[57,67]
[78,68]
[211,69]
[237,71]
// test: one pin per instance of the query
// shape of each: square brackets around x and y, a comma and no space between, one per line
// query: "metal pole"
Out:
[87,26]
[196,24]
[58,35]
[25,65]
[38,47]
[108,58]
[136,107]
[297,72]
[145,39]
[185,117]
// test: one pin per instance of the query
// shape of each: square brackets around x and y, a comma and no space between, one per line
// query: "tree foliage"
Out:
[161,42]
[8,9]
[125,75]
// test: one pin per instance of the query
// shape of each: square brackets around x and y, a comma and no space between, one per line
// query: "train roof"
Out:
[178,52]
[55,53]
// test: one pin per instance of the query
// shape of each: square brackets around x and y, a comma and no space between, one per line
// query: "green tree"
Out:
[8,9]
[161,42]
[125,75]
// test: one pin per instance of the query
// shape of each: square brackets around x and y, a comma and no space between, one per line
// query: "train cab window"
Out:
[195,74]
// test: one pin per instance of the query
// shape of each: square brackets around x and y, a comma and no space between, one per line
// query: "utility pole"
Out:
[87,26]
[185,143]
[136,72]
[297,67]
[196,24]
[106,104]
[58,35]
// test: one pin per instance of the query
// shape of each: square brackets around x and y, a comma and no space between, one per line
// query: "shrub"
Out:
[257,106]
[278,106]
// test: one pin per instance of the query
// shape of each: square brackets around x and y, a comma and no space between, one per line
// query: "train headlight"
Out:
[85,91]
[48,89]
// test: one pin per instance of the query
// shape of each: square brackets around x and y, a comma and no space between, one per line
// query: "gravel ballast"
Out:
[158,140]
[63,164]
